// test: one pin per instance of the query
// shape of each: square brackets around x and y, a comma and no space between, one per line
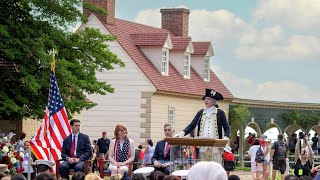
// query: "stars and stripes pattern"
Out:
[47,143]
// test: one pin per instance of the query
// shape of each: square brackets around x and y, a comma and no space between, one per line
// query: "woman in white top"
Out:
[256,168]
[121,151]
[148,153]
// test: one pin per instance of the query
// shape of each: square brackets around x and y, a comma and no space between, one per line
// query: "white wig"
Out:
[207,170]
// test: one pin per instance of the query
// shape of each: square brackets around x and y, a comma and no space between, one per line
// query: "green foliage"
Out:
[239,117]
[239,168]
[94,8]
[28,30]
[305,120]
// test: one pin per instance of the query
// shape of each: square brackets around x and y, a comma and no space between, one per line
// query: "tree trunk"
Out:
[241,146]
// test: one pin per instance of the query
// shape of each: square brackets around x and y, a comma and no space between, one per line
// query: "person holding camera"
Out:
[303,157]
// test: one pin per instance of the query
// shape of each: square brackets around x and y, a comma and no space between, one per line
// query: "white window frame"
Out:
[186,66]
[164,61]
[206,70]
[171,115]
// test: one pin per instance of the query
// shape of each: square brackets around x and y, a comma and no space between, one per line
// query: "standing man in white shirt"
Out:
[210,122]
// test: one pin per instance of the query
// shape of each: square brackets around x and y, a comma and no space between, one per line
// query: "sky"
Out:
[264,49]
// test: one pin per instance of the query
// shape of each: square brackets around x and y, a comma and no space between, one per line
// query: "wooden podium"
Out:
[189,141]
[183,150]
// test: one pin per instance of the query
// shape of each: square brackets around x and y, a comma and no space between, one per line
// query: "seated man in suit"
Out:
[76,149]
[161,155]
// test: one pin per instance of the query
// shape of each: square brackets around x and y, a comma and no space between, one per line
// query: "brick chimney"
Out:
[176,21]
[108,5]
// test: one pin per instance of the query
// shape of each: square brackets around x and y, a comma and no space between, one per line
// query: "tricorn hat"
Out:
[212,94]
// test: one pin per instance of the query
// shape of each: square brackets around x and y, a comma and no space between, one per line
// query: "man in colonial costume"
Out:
[210,122]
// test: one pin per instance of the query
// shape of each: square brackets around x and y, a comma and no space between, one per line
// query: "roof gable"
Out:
[203,48]
[182,44]
[150,39]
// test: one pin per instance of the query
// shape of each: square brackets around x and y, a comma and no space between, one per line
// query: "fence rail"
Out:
[247,160]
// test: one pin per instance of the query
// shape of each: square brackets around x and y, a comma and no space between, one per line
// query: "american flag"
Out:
[47,143]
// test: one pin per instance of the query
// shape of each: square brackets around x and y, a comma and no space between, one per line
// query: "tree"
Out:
[305,120]
[239,117]
[28,30]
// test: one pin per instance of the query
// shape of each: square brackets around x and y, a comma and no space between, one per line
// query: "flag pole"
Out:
[29,163]
[52,52]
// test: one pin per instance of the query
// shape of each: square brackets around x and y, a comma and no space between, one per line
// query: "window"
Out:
[186,69]
[171,114]
[206,69]
[164,61]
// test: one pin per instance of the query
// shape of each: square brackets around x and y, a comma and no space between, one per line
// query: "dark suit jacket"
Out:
[221,122]
[84,150]
[159,152]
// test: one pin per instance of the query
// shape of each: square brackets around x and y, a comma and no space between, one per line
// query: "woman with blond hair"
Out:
[92,176]
[121,151]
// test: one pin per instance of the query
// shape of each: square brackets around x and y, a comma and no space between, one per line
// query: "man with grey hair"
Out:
[161,155]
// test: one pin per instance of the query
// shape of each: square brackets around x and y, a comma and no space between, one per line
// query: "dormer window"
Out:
[165,61]
[186,69]
[207,69]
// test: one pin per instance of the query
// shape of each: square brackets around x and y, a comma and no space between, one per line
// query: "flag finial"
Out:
[53,52]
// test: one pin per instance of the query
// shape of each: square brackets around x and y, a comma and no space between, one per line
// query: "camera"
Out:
[301,135]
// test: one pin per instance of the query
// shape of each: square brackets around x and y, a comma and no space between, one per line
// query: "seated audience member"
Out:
[207,170]
[157,175]
[18,177]
[44,166]
[161,155]
[138,177]
[171,177]
[291,177]
[116,177]
[233,177]
[305,178]
[121,151]
[78,176]
[92,176]
[45,176]
[141,153]
[4,171]
[76,149]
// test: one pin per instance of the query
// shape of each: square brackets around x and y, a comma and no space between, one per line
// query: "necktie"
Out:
[73,147]
[166,150]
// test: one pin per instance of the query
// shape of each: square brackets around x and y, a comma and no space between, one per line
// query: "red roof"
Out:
[149,39]
[174,83]
[201,48]
[180,43]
